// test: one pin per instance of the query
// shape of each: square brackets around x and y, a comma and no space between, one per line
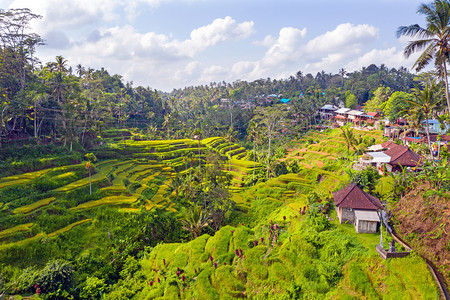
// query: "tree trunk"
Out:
[90,182]
[446,87]
[428,135]
[254,159]
[35,120]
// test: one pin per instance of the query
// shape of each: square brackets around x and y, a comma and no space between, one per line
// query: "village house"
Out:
[356,116]
[357,207]
[401,156]
[327,111]
[341,116]
[393,157]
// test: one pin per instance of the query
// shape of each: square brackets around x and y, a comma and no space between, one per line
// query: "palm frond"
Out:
[424,58]
[413,31]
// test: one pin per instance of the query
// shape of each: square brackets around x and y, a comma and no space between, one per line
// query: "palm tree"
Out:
[79,70]
[252,130]
[89,166]
[342,73]
[426,100]
[230,138]
[349,136]
[61,64]
[433,39]
[194,220]
[167,123]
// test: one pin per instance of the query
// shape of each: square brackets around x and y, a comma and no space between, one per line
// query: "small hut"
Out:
[357,207]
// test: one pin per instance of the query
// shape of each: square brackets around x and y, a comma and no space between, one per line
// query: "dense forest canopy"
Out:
[55,102]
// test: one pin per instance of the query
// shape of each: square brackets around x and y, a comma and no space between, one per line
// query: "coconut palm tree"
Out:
[253,132]
[194,220]
[433,40]
[349,136]
[426,100]
[167,123]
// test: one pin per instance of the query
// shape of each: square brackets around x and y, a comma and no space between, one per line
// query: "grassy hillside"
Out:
[422,218]
[124,240]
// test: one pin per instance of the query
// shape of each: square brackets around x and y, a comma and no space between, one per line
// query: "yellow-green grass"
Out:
[139,174]
[156,142]
[29,208]
[105,162]
[14,182]
[13,230]
[129,210]
[81,183]
[210,140]
[41,235]
[97,177]
[368,240]
[384,186]
[291,177]
[36,237]
[69,227]
[64,175]
[29,176]
[111,200]
[171,207]
[123,168]
[114,189]
[149,205]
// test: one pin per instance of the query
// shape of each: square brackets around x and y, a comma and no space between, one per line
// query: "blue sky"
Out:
[166,44]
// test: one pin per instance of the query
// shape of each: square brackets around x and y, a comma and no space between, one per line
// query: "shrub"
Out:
[57,274]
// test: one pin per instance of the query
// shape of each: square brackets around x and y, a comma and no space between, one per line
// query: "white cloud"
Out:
[291,52]
[267,42]
[69,14]
[391,57]
[343,37]
[219,30]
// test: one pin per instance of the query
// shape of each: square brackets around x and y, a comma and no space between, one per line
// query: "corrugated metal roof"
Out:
[342,110]
[366,215]
[375,148]
[329,107]
[355,113]
[379,157]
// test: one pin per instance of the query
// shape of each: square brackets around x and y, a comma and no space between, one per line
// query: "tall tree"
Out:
[426,100]
[349,136]
[433,40]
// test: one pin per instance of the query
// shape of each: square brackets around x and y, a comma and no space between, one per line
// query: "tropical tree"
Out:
[89,166]
[167,123]
[230,138]
[194,220]
[426,100]
[269,118]
[349,136]
[433,40]
[252,134]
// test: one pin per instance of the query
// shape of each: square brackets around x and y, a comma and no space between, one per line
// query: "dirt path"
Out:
[319,163]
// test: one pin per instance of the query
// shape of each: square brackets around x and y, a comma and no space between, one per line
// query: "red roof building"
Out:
[402,155]
[355,206]
[389,145]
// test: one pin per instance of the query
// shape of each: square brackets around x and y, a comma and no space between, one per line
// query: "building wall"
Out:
[346,214]
[363,226]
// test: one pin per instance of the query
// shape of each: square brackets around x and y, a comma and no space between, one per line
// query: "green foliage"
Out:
[366,179]
[360,282]
[351,101]
[56,275]
[92,288]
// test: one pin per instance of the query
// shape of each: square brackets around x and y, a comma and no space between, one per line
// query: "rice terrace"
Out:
[311,186]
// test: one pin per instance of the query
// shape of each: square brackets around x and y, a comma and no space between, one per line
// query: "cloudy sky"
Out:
[166,44]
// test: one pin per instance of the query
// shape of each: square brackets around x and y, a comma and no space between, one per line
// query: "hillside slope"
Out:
[422,218]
